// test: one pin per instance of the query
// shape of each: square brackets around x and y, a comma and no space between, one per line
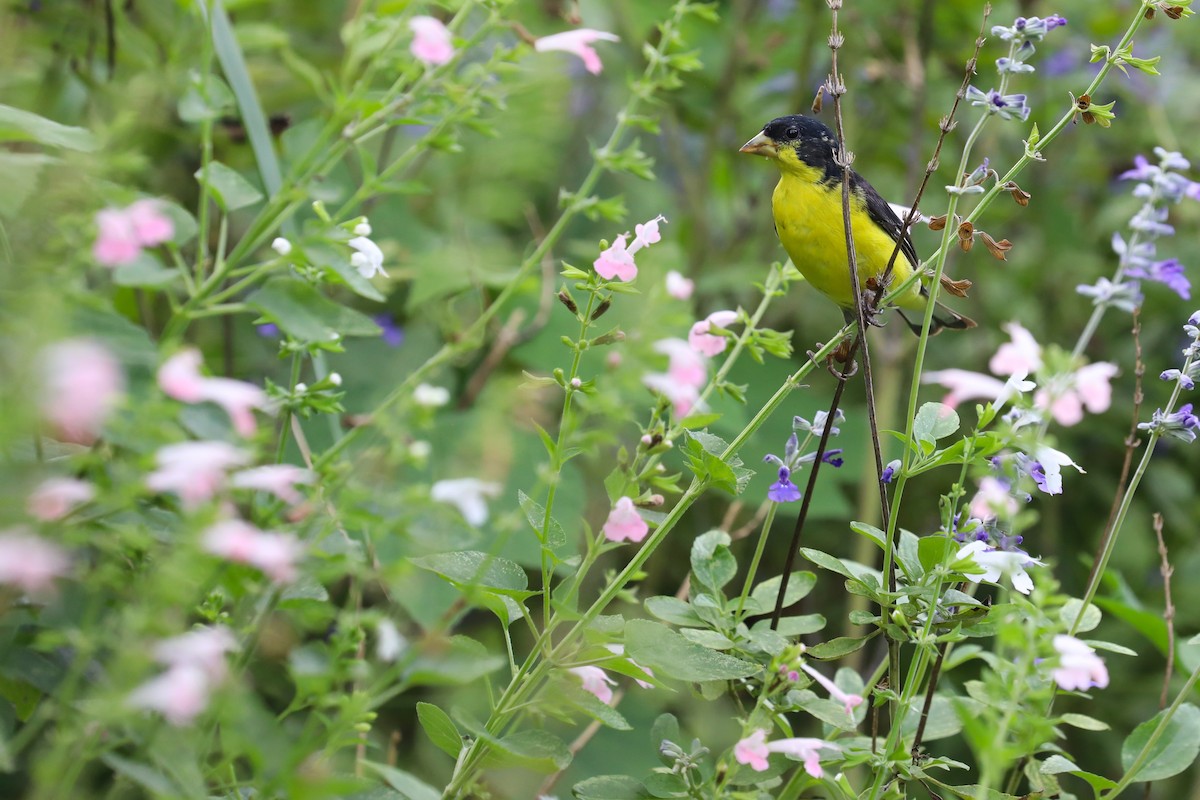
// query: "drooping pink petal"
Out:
[29,562]
[806,749]
[180,694]
[595,681]
[646,234]
[616,262]
[55,498]
[150,225]
[1022,353]
[239,399]
[278,479]
[624,523]
[710,344]
[275,554]
[1093,385]
[683,396]
[82,383]
[752,751]
[117,240]
[849,701]
[204,648]
[179,377]
[686,365]
[431,42]
[578,43]
[965,385]
[679,287]
[195,471]
[1079,668]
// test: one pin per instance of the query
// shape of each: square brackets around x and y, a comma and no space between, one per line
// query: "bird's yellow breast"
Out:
[808,218]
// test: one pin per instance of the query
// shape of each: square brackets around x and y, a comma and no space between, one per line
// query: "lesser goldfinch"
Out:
[807,205]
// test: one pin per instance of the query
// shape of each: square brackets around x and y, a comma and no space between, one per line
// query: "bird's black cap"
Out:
[815,144]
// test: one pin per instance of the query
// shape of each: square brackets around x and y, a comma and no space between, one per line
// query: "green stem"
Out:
[758,552]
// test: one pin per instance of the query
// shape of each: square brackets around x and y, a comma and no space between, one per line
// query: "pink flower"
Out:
[204,648]
[431,41]
[577,42]
[993,500]
[683,396]
[275,554]
[1023,353]
[180,694]
[82,384]
[679,287]
[1089,387]
[194,470]
[850,701]
[706,343]
[29,562]
[595,681]
[624,523]
[122,233]
[278,479]
[616,262]
[965,385]
[754,749]
[180,378]
[686,366]
[1079,668]
[54,498]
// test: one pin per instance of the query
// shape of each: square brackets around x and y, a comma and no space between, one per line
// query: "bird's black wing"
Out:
[882,215]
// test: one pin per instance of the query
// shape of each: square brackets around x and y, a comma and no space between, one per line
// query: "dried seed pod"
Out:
[966,236]
[937,223]
[957,288]
[997,249]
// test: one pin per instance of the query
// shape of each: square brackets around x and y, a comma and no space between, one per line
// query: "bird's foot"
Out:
[841,356]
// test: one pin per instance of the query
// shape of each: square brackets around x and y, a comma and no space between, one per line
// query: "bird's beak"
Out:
[761,145]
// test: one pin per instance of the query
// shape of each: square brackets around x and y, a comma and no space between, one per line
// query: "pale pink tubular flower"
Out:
[754,750]
[1023,353]
[195,471]
[431,42]
[577,42]
[850,701]
[82,383]
[616,262]
[122,233]
[180,378]
[54,498]
[679,287]
[685,365]
[1089,387]
[624,523]
[203,647]
[595,681]
[993,500]
[274,554]
[278,479]
[30,563]
[965,385]
[1079,668]
[180,694]
[710,344]
[683,396]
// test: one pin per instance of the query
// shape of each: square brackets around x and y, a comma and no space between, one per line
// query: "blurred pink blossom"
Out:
[595,681]
[710,344]
[993,500]
[81,385]
[685,365]
[30,562]
[431,42]
[617,261]
[679,287]
[180,378]
[1088,387]
[278,479]
[122,233]
[1079,668]
[275,554]
[577,42]
[202,647]
[195,471]
[54,498]
[196,666]
[624,523]
[683,396]
[754,749]
[1023,353]
[849,701]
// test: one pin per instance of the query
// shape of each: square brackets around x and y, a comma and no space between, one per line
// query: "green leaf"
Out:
[19,173]
[463,661]
[796,626]
[871,532]
[799,585]
[934,421]
[469,568]
[535,514]
[667,653]
[535,749]
[707,638]
[713,564]
[233,64]
[673,610]
[1173,752]
[336,263]
[303,312]
[145,271]
[1083,721]
[933,551]
[574,695]
[849,569]
[228,188]
[17,125]
[1070,610]
[440,729]
[143,775]
[834,649]
[408,785]
[608,787]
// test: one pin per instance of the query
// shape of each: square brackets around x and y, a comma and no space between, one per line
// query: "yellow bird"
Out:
[807,205]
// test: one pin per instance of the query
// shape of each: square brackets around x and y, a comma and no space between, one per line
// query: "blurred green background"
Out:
[120,69]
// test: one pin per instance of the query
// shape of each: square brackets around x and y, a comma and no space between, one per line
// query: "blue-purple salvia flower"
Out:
[268,330]
[1184,380]
[1125,295]
[783,490]
[889,472]
[1007,106]
[1181,424]
[1028,29]
[393,334]
[1169,273]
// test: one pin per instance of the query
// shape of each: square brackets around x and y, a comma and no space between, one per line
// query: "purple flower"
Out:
[1142,170]
[1007,106]
[1184,379]
[393,334]
[1152,220]
[1180,425]
[1169,273]
[268,330]
[1012,65]
[889,472]
[1032,29]
[783,490]
[833,457]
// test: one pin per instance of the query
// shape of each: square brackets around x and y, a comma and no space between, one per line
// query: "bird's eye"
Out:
[793,132]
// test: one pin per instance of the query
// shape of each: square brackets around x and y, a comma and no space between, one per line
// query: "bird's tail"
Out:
[943,317]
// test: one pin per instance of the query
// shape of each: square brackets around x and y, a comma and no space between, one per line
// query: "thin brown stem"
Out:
[1167,571]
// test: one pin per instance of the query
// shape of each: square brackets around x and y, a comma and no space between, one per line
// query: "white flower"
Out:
[1052,462]
[431,396]
[469,495]
[363,228]
[420,449]
[281,245]
[995,563]
[369,258]
[390,643]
